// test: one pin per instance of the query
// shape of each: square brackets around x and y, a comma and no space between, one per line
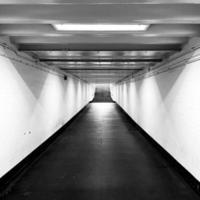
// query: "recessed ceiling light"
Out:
[101,27]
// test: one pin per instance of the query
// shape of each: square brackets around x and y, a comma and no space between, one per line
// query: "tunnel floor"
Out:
[101,156]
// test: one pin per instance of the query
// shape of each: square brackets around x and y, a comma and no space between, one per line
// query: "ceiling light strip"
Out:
[101,27]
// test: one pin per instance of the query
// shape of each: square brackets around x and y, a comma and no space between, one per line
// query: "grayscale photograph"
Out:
[100,99]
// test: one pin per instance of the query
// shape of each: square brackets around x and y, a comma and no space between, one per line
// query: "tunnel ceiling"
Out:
[100,56]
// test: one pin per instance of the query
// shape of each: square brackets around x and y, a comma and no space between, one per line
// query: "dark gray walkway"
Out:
[100,156]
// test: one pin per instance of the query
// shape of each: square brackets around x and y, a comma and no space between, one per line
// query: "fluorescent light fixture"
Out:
[101,27]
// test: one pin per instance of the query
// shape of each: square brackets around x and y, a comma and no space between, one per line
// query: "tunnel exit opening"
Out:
[102,93]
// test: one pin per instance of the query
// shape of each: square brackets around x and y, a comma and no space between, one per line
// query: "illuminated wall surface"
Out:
[167,107]
[34,104]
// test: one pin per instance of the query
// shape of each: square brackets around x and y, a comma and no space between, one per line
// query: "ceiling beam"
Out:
[99,47]
[81,13]
[100,60]
[94,2]
[104,69]
[79,70]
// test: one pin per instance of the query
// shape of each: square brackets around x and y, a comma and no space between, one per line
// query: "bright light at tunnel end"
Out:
[101,27]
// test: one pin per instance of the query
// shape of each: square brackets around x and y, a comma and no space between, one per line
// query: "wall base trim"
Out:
[187,176]
[11,177]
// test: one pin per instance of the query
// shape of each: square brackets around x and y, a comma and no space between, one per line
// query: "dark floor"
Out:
[101,156]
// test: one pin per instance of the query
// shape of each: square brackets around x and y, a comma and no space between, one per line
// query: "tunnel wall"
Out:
[34,104]
[166,104]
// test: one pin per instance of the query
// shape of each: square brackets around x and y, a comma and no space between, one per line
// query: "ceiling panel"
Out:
[101,13]
[98,2]
[110,75]
[101,64]
[100,56]
[108,67]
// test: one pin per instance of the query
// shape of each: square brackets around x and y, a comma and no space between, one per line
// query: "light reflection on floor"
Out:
[102,109]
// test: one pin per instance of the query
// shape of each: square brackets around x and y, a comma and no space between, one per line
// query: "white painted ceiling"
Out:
[100,56]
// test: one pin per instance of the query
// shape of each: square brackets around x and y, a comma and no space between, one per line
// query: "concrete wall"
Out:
[166,104]
[34,104]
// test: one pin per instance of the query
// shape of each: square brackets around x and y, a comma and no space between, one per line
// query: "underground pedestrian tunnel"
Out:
[99,100]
